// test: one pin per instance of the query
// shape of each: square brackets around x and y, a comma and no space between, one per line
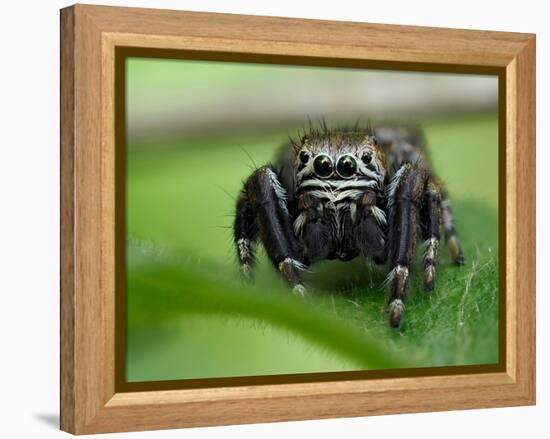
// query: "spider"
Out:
[342,193]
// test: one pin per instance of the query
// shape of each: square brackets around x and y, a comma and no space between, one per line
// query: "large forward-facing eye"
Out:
[323,166]
[346,166]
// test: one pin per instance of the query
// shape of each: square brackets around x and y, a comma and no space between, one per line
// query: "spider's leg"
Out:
[430,216]
[450,232]
[266,198]
[245,233]
[405,193]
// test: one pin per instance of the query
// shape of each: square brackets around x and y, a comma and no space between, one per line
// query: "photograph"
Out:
[301,219]
[271,218]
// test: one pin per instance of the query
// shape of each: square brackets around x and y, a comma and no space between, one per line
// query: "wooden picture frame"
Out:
[92,399]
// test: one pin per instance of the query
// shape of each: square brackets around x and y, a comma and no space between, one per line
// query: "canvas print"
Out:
[285,219]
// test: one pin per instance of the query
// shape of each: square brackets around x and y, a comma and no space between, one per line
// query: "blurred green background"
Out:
[195,130]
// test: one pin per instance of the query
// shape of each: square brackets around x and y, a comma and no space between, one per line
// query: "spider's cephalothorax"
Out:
[341,193]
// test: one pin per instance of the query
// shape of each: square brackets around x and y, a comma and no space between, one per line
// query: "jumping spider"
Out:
[341,193]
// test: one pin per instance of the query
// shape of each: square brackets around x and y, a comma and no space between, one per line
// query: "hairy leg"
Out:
[245,233]
[430,221]
[450,231]
[404,197]
[265,200]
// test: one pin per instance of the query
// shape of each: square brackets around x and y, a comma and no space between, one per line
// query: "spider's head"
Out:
[341,154]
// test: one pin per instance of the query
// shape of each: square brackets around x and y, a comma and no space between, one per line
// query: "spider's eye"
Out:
[304,156]
[366,158]
[346,166]
[322,165]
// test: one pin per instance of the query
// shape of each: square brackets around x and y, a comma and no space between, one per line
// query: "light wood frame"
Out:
[89,38]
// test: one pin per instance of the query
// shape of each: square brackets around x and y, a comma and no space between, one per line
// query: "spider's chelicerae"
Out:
[342,193]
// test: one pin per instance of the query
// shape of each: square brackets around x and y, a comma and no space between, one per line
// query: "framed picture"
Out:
[267,219]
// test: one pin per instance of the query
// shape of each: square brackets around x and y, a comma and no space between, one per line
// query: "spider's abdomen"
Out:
[401,145]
